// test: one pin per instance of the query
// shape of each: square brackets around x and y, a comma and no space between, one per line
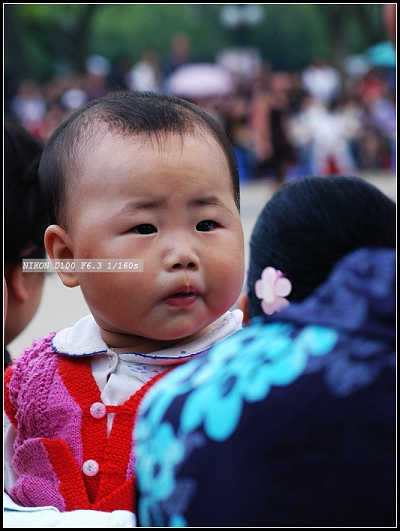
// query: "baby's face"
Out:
[173,208]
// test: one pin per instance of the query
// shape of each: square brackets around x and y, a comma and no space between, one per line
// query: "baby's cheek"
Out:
[229,278]
[234,264]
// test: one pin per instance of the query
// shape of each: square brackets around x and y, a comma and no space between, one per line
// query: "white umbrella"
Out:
[199,80]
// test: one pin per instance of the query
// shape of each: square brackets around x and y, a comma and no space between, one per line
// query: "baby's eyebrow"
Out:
[139,205]
[207,200]
[211,200]
[153,204]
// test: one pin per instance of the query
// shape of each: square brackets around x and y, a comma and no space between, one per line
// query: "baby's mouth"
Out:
[182,297]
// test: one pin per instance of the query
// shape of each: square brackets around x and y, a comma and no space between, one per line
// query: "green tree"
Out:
[351,28]
[41,40]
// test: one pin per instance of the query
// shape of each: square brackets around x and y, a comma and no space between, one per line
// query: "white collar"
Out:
[84,339]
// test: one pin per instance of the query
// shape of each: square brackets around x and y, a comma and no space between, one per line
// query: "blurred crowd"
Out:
[283,125]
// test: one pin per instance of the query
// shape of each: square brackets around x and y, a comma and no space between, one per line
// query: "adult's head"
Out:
[25,221]
[309,224]
[24,217]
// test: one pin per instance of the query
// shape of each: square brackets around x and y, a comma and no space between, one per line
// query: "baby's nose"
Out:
[182,256]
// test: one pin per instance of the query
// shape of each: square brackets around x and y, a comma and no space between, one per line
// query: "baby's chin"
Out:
[151,339]
[134,343]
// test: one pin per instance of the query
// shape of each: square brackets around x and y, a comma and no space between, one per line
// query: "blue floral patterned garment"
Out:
[290,422]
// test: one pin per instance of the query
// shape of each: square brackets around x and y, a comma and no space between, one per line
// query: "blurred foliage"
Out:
[42,40]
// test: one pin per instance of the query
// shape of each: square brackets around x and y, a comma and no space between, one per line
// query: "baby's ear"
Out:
[59,247]
[242,304]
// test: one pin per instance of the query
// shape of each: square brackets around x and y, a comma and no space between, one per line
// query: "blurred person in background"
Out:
[389,15]
[322,81]
[28,104]
[179,53]
[269,111]
[119,73]
[322,137]
[97,82]
[146,73]
[377,145]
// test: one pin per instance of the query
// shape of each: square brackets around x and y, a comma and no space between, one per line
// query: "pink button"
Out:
[90,467]
[98,410]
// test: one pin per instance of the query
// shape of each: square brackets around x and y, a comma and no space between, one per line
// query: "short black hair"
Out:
[25,218]
[147,114]
[309,224]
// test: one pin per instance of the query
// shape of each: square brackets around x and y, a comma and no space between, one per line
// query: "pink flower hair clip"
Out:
[272,288]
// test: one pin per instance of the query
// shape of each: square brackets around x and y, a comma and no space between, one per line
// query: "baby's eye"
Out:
[206,225]
[144,228]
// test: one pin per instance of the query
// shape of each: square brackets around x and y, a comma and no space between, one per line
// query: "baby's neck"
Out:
[145,345]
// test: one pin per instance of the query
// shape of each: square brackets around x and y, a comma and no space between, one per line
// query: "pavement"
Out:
[61,307]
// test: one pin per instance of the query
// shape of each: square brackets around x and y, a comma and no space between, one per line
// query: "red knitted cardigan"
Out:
[112,487]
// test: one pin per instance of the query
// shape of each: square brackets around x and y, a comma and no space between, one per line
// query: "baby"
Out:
[132,175]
